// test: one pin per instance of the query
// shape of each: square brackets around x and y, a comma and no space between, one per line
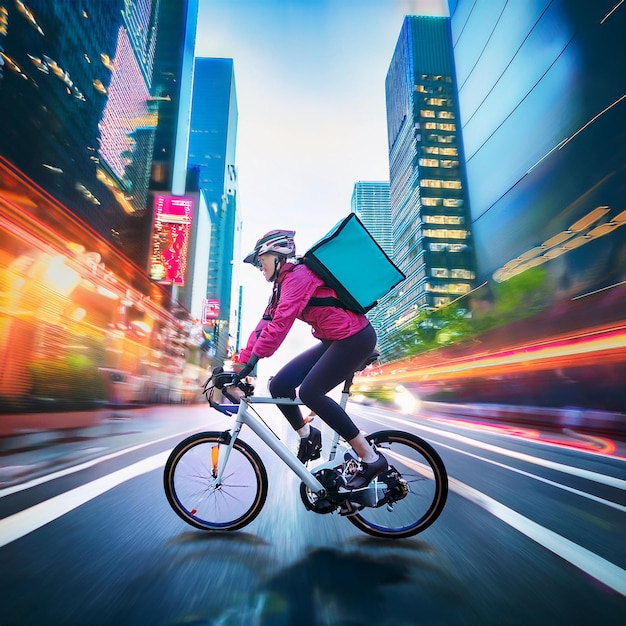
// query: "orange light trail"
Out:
[605,344]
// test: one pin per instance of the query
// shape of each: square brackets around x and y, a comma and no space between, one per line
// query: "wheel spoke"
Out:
[405,511]
[192,490]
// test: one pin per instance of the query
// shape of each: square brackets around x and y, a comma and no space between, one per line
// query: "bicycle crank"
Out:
[331,480]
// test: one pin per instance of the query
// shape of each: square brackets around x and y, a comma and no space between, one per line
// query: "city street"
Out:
[532,533]
[422,201]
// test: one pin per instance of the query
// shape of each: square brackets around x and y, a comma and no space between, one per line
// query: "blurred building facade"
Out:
[212,150]
[432,242]
[542,101]
[541,91]
[83,90]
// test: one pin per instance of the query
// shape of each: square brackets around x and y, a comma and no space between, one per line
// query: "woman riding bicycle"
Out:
[346,340]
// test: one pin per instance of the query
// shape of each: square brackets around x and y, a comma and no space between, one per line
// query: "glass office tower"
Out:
[212,144]
[542,97]
[431,235]
[542,101]
[370,201]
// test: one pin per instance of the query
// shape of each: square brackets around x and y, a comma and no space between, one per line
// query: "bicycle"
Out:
[216,481]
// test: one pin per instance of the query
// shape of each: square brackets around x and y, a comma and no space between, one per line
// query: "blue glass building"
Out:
[212,144]
[432,241]
[370,202]
[543,111]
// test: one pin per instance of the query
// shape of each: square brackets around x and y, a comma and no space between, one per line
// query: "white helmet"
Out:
[278,242]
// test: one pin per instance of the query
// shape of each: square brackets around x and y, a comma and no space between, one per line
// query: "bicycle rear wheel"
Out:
[189,480]
[409,504]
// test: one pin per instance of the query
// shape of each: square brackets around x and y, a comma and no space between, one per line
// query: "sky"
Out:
[310,81]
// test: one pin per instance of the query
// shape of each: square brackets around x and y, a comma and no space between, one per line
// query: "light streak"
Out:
[605,344]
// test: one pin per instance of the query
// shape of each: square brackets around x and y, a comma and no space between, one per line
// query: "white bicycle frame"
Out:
[245,416]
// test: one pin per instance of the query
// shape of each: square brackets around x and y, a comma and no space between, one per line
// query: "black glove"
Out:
[248,367]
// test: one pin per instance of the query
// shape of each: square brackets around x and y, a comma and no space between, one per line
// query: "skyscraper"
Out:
[541,95]
[541,88]
[77,138]
[212,145]
[370,202]
[77,115]
[432,241]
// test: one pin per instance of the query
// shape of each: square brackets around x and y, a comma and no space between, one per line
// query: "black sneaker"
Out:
[366,472]
[310,447]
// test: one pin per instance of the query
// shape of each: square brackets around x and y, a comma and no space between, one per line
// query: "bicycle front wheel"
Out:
[411,494]
[191,487]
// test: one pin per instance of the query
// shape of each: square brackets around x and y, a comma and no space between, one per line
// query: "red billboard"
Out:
[171,229]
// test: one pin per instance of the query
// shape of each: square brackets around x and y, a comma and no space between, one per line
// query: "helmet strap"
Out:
[277,266]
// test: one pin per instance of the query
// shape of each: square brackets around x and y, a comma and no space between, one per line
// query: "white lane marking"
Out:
[595,566]
[7,491]
[590,563]
[20,524]
[552,483]
[611,481]
[23,523]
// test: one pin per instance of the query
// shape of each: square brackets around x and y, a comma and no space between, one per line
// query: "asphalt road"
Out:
[532,533]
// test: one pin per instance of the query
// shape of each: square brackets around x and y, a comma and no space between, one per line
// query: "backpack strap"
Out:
[327,301]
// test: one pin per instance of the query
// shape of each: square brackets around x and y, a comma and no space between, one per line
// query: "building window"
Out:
[459,288]
[444,233]
[462,273]
[431,201]
[449,163]
[453,202]
[455,220]
[435,288]
[439,272]
[448,115]
[429,162]
[446,126]
[430,182]
[438,247]
[427,113]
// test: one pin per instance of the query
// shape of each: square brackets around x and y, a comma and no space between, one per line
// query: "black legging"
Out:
[318,370]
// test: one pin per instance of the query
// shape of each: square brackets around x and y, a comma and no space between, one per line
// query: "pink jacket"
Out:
[293,289]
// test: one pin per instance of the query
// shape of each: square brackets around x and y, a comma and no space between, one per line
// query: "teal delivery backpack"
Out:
[350,261]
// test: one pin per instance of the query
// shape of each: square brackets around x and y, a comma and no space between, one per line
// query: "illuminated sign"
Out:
[210,310]
[171,229]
